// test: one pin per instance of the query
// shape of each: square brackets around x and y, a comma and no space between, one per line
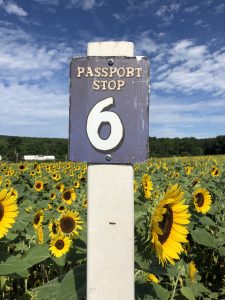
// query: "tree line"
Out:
[13,148]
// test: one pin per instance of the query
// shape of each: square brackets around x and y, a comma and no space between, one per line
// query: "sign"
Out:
[109,100]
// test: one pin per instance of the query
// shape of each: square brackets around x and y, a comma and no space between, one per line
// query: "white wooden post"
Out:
[110,246]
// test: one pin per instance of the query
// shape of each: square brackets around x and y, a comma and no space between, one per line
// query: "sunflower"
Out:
[69,223]
[61,208]
[8,211]
[202,200]
[215,172]
[52,227]
[187,170]
[38,185]
[84,202]
[76,184]
[147,185]
[80,176]
[68,196]
[56,176]
[135,186]
[192,271]
[52,195]
[60,245]
[168,225]
[38,218]
[40,235]
[60,187]
[7,183]
[22,168]
[152,278]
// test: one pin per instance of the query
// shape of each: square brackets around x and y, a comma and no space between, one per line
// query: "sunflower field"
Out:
[179,229]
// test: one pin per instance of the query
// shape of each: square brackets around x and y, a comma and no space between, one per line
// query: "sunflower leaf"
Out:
[222,251]
[73,285]
[207,221]
[14,265]
[161,292]
[202,237]
[36,254]
[187,293]
[49,290]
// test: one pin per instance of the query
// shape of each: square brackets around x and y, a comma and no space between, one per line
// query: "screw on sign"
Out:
[109,109]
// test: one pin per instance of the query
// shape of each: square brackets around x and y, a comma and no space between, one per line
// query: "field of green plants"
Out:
[179,229]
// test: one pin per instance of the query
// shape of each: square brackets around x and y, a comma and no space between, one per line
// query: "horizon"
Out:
[184,41]
[67,138]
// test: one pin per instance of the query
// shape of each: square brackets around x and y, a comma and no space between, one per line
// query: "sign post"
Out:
[109,94]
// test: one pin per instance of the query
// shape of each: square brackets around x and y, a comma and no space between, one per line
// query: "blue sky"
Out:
[185,41]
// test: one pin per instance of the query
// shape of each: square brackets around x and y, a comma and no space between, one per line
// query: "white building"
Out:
[38,157]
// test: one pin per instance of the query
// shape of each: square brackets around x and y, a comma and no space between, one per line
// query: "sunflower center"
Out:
[166,224]
[67,224]
[1,211]
[199,199]
[37,219]
[38,185]
[59,244]
[67,195]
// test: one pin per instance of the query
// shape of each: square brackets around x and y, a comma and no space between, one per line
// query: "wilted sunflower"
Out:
[202,200]
[69,223]
[8,211]
[38,185]
[68,196]
[168,228]
[38,218]
[60,245]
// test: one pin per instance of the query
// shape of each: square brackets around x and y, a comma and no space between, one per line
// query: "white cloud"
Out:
[167,12]
[145,44]
[48,2]
[21,54]
[29,110]
[191,9]
[33,98]
[13,8]
[84,4]
[178,117]
[188,67]
[219,9]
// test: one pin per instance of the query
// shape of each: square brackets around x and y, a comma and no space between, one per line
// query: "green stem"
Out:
[175,286]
